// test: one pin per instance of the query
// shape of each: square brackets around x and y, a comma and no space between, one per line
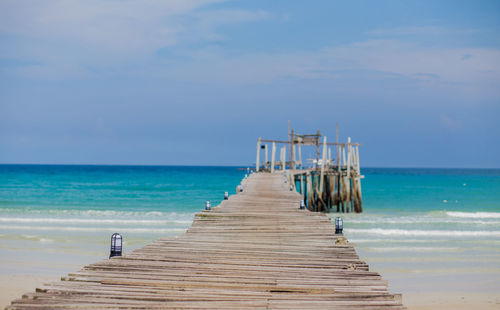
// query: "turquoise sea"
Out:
[423,229]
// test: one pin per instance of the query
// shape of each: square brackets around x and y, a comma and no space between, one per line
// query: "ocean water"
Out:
[423,229]
[430,230]
[54,218]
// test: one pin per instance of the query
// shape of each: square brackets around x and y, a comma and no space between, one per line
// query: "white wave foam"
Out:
[92,213]
[421,220]
[434,233]
[93,229]
[89,221]
[482,215]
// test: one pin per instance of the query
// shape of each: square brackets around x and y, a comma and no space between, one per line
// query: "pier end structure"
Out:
[328,183]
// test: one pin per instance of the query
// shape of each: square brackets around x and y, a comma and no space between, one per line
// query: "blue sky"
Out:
[197,82]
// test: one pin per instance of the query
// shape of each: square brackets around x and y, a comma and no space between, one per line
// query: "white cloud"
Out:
[208,21]
[66,37]
[108,24]
[65,33]
[372,59]
[418,31]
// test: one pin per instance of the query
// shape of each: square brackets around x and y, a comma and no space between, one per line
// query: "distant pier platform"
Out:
[256,250]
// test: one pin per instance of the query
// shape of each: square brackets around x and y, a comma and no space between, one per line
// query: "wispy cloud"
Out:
[62,35]
[61,39]
[418,31]
[371,59]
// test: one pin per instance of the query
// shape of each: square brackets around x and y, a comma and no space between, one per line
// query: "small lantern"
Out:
[291,187]
[339,225]
[207,205]
[116,245]
[241,187]
[226,195]
[302,204]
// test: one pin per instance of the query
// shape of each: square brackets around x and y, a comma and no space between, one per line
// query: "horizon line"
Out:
[236,166]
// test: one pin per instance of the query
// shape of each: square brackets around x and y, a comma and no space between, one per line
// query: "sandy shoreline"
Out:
[445,300]
[14,286]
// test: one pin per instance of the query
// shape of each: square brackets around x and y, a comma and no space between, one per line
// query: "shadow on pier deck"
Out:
[257,250]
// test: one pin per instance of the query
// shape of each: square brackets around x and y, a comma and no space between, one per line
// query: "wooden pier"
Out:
[256,250]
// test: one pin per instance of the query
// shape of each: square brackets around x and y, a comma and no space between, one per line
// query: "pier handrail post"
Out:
[293,165]
[292,151]
[257,162]
[300,156]
[273,153]
[329,156]
[266,162]
[348,177]
[322,174]
[283,158]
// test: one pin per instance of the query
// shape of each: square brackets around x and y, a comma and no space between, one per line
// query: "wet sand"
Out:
[458,301]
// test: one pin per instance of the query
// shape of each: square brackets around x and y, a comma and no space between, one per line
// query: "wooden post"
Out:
[333,197]
[309,191]
[340,188]
[329,156]
[358,179]
[266,163]
[282,149]
[317,148]
[257,162]
[302,186]
[283,158]
[300,156]
[323,164]
[344,184]
[273,153]
[343,156]
[359,171]
[292,151]
[338,146]
[348,177]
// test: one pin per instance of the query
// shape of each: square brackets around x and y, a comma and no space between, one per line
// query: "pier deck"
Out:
[257,250]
